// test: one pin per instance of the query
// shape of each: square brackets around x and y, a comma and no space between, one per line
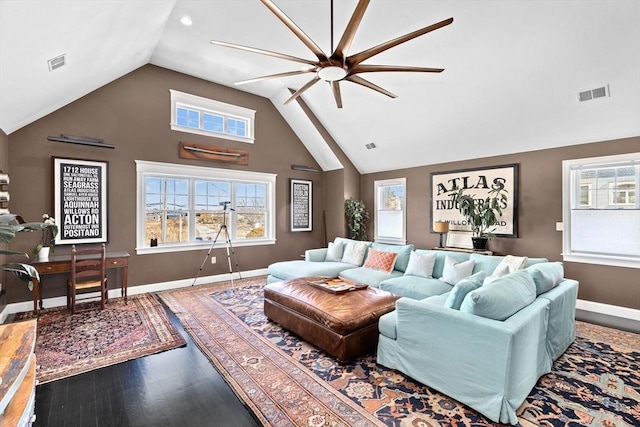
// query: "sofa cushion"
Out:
[486,263]
[403,251]
[380,260]
[502,298]
[462,288]
[546,275]
[387,325]
[421,265]
[286,270]
[414,287]
[334,252]
[455,271]
[369,276]
[354,252]
[532,261]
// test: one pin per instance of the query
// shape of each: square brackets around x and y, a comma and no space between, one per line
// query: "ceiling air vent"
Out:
[599,92]
[370,146]
[57,62]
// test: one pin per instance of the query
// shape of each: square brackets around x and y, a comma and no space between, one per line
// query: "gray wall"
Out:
[539,208]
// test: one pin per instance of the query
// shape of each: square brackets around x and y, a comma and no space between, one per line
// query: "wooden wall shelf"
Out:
[189,150]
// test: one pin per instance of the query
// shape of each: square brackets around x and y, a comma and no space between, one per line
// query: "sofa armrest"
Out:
[315,255]
[489,365]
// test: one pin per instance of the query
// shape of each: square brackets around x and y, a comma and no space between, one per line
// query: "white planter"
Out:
[43,253]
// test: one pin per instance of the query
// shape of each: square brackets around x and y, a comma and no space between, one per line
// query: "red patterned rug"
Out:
[287,382]
[68,345]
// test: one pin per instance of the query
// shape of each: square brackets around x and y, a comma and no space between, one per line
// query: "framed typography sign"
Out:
[80,200]
[476,182]
[301,203]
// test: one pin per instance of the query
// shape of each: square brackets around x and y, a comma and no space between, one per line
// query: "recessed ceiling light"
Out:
[186,20]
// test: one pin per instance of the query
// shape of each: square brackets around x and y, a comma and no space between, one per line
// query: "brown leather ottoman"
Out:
[343,325]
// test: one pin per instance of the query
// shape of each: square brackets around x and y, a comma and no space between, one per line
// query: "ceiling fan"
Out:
[338,66]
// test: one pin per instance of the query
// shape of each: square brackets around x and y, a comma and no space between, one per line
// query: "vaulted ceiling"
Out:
[513,69]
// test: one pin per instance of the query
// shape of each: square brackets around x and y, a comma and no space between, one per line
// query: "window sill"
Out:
[619,261]
[145,250]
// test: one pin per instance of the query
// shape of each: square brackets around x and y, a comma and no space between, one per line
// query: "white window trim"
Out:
[215,107]
[568,192]
[144,168]
[386,239]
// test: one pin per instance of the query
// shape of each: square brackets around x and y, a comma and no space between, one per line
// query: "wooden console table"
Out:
[468,251]
[57,264]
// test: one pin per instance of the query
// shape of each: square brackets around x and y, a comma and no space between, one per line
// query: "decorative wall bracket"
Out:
[189,150]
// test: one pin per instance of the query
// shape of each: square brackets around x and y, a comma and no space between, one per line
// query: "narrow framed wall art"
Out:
[301,205]
[80,190]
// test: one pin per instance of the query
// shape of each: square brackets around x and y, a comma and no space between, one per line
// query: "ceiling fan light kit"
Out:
[338,66]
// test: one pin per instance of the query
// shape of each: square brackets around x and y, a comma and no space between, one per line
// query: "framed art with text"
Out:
[80,200]
[301,204]
[476,182]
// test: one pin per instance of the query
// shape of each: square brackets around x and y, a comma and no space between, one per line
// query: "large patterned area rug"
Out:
[287,382]
[68,345]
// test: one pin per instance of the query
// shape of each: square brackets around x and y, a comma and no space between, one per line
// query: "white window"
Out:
[601,210]
[202,116]
[390,217]
[185,207]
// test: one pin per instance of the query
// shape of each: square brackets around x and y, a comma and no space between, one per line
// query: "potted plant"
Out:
[357,216]
[11,224]
[481,214]
[46,243]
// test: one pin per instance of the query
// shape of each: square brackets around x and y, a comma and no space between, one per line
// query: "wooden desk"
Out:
[62,264]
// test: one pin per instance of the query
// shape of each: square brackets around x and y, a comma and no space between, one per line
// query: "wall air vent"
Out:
[599,92]
[57,62]
[370,146]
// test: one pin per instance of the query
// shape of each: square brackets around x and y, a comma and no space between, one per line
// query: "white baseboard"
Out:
[61,301]
[608,310]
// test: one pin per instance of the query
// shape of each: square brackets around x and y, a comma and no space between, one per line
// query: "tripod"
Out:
[227,240]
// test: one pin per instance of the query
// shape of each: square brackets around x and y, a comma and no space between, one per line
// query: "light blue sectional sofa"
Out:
[477,328]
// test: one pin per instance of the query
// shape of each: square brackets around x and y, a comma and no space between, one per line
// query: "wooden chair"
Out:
[88,274]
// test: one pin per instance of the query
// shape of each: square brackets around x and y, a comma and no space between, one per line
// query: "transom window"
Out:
[185,207]
[202,116]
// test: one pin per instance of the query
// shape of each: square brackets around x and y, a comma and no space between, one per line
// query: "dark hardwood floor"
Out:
[178,387]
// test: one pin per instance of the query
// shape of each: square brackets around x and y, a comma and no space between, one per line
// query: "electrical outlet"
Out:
[213,260]
[559,226]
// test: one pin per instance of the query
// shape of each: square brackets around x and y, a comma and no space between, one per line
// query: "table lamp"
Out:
[441,227]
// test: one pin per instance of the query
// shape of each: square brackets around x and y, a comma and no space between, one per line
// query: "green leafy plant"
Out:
[482,214]
[11,224]
[357,217]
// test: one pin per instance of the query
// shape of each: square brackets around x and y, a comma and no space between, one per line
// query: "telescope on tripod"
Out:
[226,206]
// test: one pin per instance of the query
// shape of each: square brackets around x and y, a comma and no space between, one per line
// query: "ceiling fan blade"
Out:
[385,68]
[349,33]
[366,54]
[335,87]
[296,30]
[275,76]
[359,80]
[265,52]
[302,89]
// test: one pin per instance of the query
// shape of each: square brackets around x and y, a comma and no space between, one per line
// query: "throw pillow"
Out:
[421,265]
[334,252]
[505,297]
[462,288]
[380,260]
[455,271]
[354,253]
[546,275]
[509,264]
